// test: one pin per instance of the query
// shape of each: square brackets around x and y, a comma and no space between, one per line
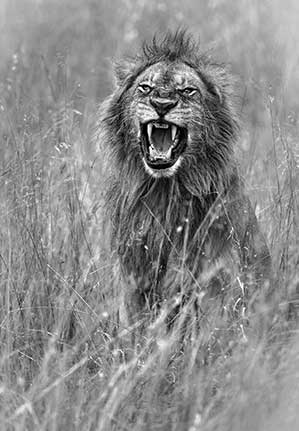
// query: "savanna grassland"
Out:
[65,363]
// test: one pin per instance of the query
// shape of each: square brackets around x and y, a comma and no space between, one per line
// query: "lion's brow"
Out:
[155,77]
[179,78]
[166,77]
[159,78]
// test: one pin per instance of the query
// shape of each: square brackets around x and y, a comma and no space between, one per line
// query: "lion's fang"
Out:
[168,154]
[149,130]
[173,132]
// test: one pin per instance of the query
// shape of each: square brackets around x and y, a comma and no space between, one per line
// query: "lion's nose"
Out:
[161,105]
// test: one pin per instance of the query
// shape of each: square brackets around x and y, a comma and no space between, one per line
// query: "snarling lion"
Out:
[182,224]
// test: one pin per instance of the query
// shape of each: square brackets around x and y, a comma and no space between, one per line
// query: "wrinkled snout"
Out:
[163,105]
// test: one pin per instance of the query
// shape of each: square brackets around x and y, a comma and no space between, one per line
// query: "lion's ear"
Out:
[122,71]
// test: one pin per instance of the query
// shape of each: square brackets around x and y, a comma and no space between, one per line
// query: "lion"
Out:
[181,220]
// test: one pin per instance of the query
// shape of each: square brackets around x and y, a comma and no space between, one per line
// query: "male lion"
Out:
[181,221]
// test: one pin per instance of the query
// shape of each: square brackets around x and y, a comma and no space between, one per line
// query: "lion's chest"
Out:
[165,249]
[151,248]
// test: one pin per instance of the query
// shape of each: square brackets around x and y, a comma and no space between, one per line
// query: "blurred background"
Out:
[258,38]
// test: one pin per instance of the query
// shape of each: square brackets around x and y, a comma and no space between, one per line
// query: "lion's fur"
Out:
[197,222]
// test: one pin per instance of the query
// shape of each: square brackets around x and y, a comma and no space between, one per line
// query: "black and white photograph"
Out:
[149,202]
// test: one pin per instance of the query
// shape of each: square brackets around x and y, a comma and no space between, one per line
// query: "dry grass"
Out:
[65,364]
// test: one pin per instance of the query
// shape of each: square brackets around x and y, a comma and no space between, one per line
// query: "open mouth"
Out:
[162,143]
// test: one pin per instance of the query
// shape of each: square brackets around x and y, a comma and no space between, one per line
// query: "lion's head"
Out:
[171,115]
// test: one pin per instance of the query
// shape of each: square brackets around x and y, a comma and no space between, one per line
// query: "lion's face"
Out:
[167,112]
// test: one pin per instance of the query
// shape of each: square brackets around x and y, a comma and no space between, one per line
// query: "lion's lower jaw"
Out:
[162,173]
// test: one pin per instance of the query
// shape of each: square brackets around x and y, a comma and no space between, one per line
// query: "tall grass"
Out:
[65,362]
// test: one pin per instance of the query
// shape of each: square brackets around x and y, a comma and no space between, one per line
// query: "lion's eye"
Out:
[189,91]
[144,88]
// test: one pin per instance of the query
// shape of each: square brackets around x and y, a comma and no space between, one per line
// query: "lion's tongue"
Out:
[161,140]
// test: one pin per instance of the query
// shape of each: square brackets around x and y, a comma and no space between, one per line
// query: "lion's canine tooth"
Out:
[149,130]
[168,154]
[173,131]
